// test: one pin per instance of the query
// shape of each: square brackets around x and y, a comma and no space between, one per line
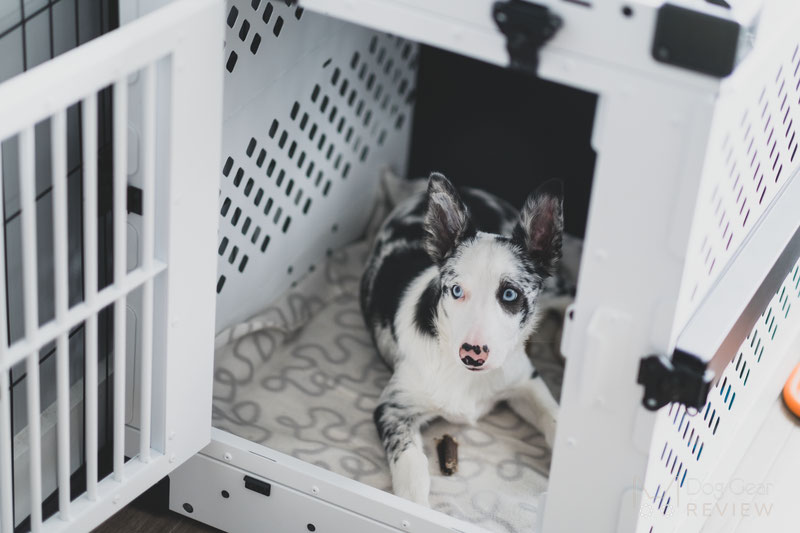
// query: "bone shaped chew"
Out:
[447,450]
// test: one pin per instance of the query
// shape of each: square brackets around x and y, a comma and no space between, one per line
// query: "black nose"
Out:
[469,361]
[474,348]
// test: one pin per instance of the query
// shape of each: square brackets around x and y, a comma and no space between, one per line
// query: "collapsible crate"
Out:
[218,197]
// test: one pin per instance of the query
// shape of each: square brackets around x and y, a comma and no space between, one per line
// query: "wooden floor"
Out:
[149,513]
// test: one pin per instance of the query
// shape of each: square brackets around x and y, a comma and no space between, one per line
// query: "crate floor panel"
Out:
[303,378]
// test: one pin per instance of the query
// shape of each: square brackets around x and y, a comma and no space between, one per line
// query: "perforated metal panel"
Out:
[314,108]
[753,151]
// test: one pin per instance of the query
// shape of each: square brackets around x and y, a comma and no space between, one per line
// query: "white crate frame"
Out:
[173,45]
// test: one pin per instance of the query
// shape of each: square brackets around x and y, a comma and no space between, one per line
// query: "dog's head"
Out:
[488,284]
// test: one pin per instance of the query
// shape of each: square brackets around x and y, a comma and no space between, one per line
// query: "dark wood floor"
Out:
[149,513]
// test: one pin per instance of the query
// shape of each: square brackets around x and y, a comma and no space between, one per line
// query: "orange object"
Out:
[791,391]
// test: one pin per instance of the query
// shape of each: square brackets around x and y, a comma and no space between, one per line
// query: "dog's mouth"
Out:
[473,364]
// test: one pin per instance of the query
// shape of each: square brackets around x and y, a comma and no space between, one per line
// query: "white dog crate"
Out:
[233,170]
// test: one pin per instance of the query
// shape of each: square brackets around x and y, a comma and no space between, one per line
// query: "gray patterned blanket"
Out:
[303,378]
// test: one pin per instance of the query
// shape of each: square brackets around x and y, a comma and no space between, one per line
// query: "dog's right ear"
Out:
[446,218]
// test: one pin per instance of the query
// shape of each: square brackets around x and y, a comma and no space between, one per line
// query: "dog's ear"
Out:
[446,218]
[541,225]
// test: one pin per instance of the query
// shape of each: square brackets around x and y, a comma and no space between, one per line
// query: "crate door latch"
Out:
[675,380]
[527,28]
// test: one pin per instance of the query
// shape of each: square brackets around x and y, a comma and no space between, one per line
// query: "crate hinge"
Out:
[527,28]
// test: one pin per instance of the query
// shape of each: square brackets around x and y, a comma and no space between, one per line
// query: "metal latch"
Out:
[527,28]
[676,380]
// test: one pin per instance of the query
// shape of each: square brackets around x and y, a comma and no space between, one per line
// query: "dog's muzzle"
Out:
[473,355]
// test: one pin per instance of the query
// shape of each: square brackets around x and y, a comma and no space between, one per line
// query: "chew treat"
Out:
[447,450]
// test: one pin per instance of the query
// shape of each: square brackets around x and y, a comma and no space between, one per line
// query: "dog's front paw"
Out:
[410,477]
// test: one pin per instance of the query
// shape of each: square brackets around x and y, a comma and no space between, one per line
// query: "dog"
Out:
[451,292]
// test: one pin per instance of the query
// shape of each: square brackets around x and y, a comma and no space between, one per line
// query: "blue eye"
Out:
[509,295]
[457,291]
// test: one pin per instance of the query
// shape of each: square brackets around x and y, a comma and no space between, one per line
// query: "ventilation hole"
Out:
[381,137]
[354,60]
[273,129]
[243,263]
[231,64]
[298,197]
[226,170]
[303,121]
[256,233]
[310,169]
[381,55]
[249,186]
[327,188]
[340,126]
[343,88]
[312,268]
[267,13]
[225,206]
[378,92]
[281,175]
[244,30]
[236,214]
[406,51]
[284,137]
[220,284]
[362,72]
[286,224]
[232,15]
[321,142]
[337,162]
[271,168]
[251,147]
[301,159]
[319,178]
[289,187]
[261,156]
[267,206]
[349,134]
[327,62]
[278,213]
[399,123]
[352,98]
[388,67]
[315,93]
[312,132]
[305,207]
[324,105]
[332,115]
[255,4]
[234,253]
[367,118]
[359,108]
[292,149]
[346,170]
[330,152]
[295,110]
[335,76]
[222,246]
[403,86]
[364,153]
[239,175]
[370,81]
[255,43]
[335,228]
[259,196]
[290,270]
[276,30]
[265,243]
[373,43]
[246,225]
[298,13]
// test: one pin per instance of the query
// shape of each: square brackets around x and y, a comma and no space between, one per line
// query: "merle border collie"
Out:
[451,293]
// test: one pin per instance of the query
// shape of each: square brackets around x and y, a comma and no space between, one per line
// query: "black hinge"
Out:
[682,379]
[134,200]
[257,485]
[527,27]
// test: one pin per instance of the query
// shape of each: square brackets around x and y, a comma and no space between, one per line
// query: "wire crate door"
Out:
[109,161]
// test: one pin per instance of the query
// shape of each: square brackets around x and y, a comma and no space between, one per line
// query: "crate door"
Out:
[111,153]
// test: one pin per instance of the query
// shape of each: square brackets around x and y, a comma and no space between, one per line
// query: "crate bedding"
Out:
[302,377]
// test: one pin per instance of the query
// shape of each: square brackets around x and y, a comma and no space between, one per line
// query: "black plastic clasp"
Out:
[257,485]
[677,380]
[134,200]
[527,28]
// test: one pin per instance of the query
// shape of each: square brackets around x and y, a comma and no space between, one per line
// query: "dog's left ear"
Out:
[541,225]
[446,218]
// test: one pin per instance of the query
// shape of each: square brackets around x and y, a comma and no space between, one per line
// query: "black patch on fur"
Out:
[534,374]
[428,303]
[520,305]
[392,279]
[398,230]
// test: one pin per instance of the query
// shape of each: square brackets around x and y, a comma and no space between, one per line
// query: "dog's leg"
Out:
[533,401]
[399,430]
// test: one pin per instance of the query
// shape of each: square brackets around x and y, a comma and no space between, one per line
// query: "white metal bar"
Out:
[27,186]
[58,130]
[148,237]
[120,265]
[34,440]
[89,112]
[79,313]
[6,473]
